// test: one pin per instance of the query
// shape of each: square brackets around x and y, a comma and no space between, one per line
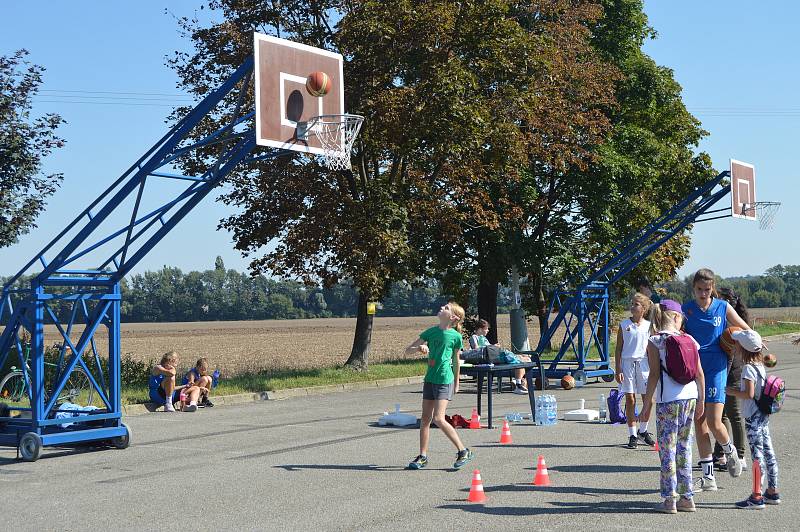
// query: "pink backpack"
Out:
[681,358]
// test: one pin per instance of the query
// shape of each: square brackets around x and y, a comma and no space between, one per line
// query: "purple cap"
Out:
[671,304]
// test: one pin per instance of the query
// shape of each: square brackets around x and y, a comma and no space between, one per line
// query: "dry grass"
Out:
[238,347]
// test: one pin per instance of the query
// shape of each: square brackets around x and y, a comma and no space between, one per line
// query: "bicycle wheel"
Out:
[78,389]
[12,389]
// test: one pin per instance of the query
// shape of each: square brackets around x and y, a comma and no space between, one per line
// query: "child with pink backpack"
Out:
[676,384]
[761,396]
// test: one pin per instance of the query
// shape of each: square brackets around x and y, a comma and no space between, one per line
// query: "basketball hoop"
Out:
[336,134]
[764,211]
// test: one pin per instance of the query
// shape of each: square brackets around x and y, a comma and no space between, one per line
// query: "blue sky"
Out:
[106,76]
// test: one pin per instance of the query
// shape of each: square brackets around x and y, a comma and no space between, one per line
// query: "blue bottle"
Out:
[553,410]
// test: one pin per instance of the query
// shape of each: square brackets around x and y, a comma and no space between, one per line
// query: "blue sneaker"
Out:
[772,498]
[751,503]
[419,462]
[462,458]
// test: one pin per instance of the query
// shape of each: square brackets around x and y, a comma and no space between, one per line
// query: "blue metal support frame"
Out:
[94,293]
[582,318]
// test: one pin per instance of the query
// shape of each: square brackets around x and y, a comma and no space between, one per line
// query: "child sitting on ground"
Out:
[198,386]
[162,382]
[749,347]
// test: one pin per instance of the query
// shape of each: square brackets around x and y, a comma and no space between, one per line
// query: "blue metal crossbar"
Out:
[581,305]
[92,294]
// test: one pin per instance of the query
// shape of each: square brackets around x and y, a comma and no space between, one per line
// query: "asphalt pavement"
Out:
[323,463]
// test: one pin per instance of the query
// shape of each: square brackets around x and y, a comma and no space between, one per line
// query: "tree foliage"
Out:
[24,141]
[458,98]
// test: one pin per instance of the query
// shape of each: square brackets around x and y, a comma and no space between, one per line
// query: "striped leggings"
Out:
[761,449]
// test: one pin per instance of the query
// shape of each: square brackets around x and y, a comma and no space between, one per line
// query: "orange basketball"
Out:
[568,382]
[318,84]
[726,341]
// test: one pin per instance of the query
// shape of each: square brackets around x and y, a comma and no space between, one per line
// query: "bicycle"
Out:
[13,389]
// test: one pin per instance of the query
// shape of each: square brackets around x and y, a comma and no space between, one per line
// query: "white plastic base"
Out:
[582,414]
[397,418]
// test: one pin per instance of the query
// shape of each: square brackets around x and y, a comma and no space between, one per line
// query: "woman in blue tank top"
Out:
[706,319]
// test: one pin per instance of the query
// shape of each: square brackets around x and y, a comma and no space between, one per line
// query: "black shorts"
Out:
[437,392]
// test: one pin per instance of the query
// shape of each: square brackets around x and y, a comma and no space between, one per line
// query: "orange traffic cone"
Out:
[505,434]
[756,477]
[542,478]
[475,420]
[655,448]
[476,493]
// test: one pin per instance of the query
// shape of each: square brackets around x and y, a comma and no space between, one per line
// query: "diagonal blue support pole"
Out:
[25,309]
[583,302]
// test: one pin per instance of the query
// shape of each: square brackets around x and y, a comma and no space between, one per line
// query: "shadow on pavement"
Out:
[338,467]
[559,508]
[576,490]
[602,468]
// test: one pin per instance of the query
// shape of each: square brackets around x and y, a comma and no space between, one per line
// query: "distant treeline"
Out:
[222,294]
[778,287]
[169,294]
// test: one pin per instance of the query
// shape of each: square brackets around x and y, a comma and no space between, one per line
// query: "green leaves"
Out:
[24,142]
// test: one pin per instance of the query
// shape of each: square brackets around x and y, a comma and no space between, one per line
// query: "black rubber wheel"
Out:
[579,375]
[122,442]
[30,446]
[608,378]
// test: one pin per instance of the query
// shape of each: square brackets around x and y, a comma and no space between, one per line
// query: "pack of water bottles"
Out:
[546,410]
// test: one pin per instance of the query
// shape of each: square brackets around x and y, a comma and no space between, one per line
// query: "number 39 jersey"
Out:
[707,326]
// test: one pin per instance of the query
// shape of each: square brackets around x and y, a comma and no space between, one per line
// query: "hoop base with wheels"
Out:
[336,134]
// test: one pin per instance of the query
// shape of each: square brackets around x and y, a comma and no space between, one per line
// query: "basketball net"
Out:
[336,134]
[764,211]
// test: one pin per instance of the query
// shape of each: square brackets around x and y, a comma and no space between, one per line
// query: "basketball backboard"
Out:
[281,69]
[743,190]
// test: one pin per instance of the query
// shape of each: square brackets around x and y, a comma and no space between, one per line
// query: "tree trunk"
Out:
[542,310]
[363,336]
[487,305]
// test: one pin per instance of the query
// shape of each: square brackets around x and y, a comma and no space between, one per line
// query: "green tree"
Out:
[438,86]
[24,142]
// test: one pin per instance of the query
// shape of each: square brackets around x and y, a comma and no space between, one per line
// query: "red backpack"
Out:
[681,358]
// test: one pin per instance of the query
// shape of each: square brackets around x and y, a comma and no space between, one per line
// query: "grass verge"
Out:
[283,379]
[771,329]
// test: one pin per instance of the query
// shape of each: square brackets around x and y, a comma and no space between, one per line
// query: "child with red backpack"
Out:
[676,384]
[756,411]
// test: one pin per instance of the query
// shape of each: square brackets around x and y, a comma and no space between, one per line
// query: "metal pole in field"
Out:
[519,326]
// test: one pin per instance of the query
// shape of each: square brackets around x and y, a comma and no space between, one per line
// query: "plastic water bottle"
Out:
[553,410]
[603,410]
[183,397]
[541,418]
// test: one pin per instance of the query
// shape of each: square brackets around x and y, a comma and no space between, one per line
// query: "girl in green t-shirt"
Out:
[441,344]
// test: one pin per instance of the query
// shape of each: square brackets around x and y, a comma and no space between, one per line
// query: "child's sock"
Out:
[643,426]
[728,448]
[632,430]
[168,406]
[707,463]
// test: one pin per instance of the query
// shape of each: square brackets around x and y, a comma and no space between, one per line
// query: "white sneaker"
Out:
[744,464]
[734,464]
[705,484]
[169,407]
